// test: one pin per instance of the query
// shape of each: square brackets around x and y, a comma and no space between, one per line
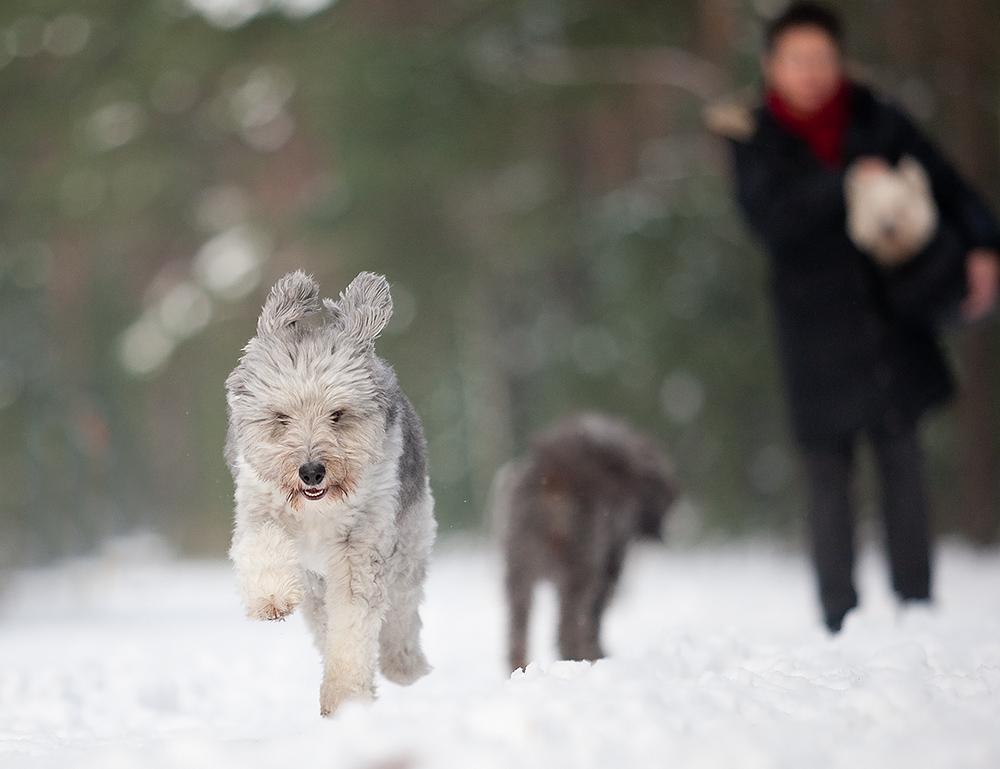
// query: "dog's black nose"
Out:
[312,474]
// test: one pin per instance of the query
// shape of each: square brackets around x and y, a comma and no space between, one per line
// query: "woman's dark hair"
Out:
[805,15]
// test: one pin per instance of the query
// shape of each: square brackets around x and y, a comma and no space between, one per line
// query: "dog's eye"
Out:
[336,415]
[282,419]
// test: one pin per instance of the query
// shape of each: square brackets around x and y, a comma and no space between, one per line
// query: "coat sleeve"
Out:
[786,208]
[960,204]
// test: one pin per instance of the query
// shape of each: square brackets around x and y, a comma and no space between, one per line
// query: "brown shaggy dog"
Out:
[589,486]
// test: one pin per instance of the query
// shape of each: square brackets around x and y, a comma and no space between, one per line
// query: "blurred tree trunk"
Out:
[967,81]
[718,27]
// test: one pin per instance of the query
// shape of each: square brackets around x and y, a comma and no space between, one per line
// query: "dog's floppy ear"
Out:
[364,308]
[914,174]
[293,298]
[852,180]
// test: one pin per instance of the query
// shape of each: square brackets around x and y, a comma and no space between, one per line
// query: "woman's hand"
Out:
[982,270]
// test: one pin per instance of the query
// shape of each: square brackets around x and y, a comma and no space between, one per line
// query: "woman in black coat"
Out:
[856,361]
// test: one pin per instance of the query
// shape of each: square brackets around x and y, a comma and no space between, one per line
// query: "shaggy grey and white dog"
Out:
[588,487]
[333,506]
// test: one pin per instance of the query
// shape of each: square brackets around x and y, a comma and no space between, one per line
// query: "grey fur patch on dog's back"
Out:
[413,460]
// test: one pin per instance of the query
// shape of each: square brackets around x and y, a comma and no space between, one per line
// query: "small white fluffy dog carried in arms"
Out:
[333,506]
[890,214]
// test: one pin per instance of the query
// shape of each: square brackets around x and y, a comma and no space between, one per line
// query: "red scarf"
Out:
[824,130]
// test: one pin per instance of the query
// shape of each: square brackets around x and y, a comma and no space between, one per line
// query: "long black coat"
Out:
[849,360]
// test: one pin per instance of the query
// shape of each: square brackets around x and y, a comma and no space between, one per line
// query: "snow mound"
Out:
[716,659]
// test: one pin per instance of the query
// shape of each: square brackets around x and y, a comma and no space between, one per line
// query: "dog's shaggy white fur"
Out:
[890,214]
[333,506]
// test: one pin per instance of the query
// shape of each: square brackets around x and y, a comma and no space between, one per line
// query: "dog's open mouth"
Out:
[314,494]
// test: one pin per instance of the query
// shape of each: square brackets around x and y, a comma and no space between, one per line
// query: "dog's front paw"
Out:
[404,666]
[273,599]
[336,690]
[273,607]
[267,568]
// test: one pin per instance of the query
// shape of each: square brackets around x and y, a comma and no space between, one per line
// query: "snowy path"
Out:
[717,660]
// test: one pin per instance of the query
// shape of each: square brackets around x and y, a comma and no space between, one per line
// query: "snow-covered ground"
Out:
[717,659]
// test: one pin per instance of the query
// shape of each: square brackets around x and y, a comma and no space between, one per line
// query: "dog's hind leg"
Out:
[401,659]
[605,589]
[520,586]
[580,593]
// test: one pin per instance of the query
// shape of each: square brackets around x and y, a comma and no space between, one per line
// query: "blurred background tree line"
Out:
[533,177]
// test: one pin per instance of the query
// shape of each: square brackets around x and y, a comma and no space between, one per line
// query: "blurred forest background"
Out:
[534,178]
